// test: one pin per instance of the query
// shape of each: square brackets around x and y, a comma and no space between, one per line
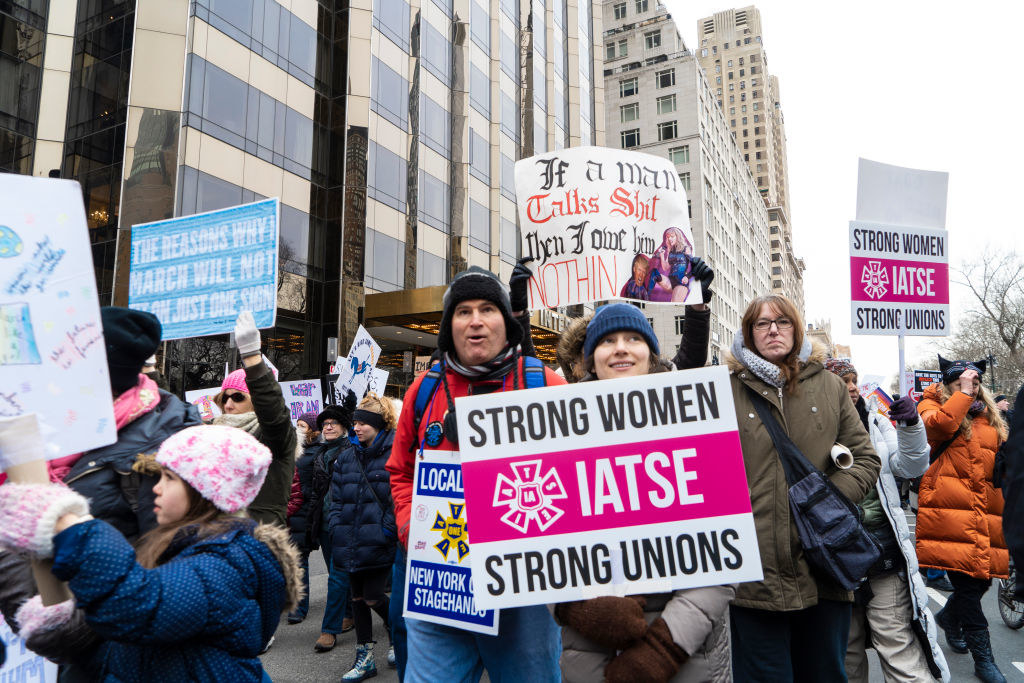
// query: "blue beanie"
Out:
[616,317]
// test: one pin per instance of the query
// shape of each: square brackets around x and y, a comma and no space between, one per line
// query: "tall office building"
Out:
[388,128]
[659,101]
[733,56]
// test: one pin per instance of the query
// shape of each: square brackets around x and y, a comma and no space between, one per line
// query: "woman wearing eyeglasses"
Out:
[793,625]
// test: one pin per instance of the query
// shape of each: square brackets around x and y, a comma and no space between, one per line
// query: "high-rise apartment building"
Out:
[658,100]
[733,56]
[388,128]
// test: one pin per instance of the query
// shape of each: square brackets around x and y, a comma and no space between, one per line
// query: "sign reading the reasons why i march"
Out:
[632,485]
[197,273]
[899,280]
[439,581]
[604,223]
[52,357]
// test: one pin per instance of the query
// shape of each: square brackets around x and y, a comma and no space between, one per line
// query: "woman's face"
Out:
[851,385]
[171,504]
[622,354]
[331,429]
[364,432]
[773,344]
[671,240]
[237,402]
[969,385]
[302,428]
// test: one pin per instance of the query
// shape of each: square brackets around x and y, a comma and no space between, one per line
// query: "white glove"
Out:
[20,440]
[247,337]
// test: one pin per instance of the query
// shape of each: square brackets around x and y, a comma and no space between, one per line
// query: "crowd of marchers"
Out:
[184,545]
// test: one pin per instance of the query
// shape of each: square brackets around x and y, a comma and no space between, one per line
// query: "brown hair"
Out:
[210,520]
[995,417]
[382,406]
[781,306]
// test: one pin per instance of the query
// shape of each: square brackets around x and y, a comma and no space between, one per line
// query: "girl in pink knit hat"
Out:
[201,595]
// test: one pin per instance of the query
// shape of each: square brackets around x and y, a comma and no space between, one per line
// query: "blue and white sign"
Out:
[197,273]
[439,582]
[22,664]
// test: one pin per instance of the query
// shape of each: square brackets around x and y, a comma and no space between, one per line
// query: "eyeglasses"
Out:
[331,423]
[764,325]
[236,397]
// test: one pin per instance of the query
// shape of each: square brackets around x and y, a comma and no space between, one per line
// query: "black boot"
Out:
[954,633]
[984,663]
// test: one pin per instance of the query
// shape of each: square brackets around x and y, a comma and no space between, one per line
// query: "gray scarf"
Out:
[247,422]
[766,370]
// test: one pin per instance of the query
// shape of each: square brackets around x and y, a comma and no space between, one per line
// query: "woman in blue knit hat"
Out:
[675,636]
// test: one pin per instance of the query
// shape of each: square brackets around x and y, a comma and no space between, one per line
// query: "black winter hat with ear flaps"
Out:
[476,283]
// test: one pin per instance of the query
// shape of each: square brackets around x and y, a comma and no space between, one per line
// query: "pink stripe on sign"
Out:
[898,282]
[609,487]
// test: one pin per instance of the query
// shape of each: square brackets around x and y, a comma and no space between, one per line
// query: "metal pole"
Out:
[903,365]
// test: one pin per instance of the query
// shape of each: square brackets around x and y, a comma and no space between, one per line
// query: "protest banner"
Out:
[923,378]
[302,396]
[355,370]
[203,400]
[422,364]
[52,357]
[378,381]
[439,580]
[631,485]
[197,273]
[604,223]
[899,279]
[23,665]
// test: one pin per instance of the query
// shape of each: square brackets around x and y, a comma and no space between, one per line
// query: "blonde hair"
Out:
[383,407]
[995,418]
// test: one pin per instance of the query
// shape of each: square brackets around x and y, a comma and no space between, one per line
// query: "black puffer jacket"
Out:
[318,500]
[117,494]
[362,519]
[299,521]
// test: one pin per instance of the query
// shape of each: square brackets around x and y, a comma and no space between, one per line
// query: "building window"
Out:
[666,130]
[620,10]
[666,104]
[666,78]
[629,112]
[630,138]
[479,158]
[679,155]
[652,40]
[684,178]
[680,321]
[641,6]
[628,87]
[615,50]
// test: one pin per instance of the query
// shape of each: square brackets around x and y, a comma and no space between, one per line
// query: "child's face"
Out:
[171,502]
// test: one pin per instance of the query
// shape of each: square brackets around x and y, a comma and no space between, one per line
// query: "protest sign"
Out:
[624,486]
[422,364]
[203,400]
[23,665]
[355,370]
[923,378]
[899,280]
[439,581]
[378,381]
[197,273]
[302,396]
[604,223]
[52,355]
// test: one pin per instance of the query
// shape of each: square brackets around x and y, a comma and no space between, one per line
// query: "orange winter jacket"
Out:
[959,518]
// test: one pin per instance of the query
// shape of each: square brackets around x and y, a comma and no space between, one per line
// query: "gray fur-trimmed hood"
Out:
[280,545]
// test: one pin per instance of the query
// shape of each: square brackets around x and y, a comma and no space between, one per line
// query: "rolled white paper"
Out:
[842,456]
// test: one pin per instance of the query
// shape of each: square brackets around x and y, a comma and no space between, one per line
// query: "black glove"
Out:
[904,410]
[348,407]
[521,274]
[700,270]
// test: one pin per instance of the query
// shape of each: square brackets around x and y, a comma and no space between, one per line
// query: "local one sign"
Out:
[899,280]
[616,487]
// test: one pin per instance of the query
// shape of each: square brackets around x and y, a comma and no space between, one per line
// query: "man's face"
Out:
[478,331]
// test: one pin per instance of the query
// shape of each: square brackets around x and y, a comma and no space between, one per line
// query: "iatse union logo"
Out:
[874,278]
[528,496]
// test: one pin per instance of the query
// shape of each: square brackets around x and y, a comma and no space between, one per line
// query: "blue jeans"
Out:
[526,649]
[398,637]
[339,606]
[803,645]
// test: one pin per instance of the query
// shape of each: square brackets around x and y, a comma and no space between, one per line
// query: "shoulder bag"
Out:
[828,525]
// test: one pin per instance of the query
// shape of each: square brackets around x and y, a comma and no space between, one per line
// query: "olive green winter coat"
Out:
[816,416]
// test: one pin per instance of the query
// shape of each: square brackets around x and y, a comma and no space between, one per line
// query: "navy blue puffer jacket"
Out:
[299,521]
[362,521]
[204,615]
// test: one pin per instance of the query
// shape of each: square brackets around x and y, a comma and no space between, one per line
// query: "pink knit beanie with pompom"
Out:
[225,465]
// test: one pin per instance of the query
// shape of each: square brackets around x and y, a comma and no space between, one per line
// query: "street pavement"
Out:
[292,659]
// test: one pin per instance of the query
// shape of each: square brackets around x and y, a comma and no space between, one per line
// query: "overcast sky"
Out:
[918,84]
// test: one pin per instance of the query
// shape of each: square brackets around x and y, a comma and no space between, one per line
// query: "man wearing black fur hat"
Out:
[479,345]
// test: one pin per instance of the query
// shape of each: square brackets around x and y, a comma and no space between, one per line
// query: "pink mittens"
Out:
[29,514]
[34,617]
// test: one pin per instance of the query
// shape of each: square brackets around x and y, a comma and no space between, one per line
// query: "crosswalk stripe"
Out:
[1019,665]
[937,597]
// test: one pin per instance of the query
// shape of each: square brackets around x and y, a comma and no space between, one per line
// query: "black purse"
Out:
[828,525]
